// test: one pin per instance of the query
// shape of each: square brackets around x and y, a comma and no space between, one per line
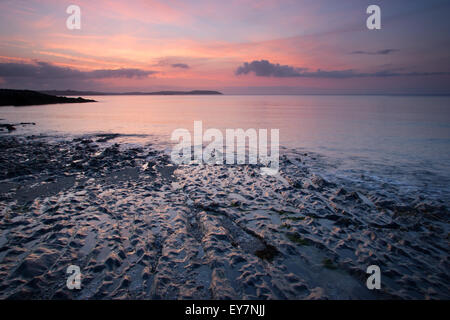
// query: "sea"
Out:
[400,140]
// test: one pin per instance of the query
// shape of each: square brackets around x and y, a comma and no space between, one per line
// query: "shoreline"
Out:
[141,228]
[22,98]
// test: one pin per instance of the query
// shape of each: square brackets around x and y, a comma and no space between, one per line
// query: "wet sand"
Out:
[141,228]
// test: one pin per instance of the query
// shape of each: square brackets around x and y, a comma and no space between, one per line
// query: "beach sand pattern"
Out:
[141,228]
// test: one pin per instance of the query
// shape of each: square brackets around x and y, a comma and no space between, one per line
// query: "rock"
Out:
[341,192]
[10,97]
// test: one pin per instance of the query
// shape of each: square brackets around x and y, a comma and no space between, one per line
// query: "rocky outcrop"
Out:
[17,98]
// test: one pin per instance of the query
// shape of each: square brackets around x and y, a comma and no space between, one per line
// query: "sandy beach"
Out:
[140,227]
[201,155]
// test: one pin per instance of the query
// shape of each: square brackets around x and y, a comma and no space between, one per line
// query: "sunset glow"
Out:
[201,44]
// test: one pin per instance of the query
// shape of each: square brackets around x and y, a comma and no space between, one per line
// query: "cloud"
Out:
[174,62]
[43,70]
[264,68]
[379,52]
[180,65]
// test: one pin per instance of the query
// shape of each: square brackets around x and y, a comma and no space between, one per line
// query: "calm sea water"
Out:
[402,139]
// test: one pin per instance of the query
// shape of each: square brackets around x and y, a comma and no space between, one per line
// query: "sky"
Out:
[234,46]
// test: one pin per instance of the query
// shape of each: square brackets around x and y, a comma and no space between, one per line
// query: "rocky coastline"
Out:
[20,98]
[141,228]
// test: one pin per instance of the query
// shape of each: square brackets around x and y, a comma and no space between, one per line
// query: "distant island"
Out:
[9,97]
[157,93]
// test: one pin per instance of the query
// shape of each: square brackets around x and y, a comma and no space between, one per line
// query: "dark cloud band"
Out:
[180,65]
[379,52]
[264,68]
[44,70]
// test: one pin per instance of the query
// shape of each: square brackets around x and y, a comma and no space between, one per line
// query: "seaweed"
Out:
[268,253]
[296,238]
[327,263]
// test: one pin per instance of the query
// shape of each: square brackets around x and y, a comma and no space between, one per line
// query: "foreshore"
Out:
[140,227]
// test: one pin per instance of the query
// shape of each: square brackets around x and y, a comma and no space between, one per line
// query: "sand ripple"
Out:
[141,228]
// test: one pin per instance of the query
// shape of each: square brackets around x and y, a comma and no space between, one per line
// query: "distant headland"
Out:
[9,97]
[156,93]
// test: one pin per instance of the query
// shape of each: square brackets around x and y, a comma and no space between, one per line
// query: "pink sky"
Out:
[309,46]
